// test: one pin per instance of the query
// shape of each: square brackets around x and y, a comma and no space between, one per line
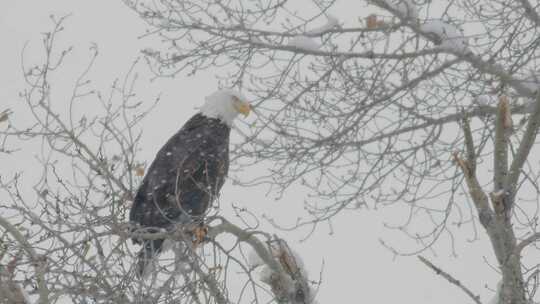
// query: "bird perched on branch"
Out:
[186,175]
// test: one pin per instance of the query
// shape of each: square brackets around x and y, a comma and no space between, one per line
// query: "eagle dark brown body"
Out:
[182,181]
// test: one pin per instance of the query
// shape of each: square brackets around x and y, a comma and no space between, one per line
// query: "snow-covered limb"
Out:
[451,39]
[331,23]
[281,268]
[531,81]
[304,43]
[294,286]
[405,8]
[289,259]
[449,36]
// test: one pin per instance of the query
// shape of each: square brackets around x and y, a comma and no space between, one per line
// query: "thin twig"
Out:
[450,279]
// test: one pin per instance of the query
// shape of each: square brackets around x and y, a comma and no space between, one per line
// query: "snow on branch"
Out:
[280,267]
[406,9]
[331,23]
[531,81]
[304,43]
[448,36]
[294,286]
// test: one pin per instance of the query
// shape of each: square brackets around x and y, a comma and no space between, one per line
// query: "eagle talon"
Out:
[200,233]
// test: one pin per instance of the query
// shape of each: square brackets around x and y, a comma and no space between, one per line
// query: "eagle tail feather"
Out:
[150,249]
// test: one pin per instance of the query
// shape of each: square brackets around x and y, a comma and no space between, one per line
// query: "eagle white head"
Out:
[225,105]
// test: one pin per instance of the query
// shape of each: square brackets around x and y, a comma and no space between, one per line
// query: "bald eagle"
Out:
[186,174]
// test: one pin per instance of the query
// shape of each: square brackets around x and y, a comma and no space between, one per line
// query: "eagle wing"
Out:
[185,176]
[155,204]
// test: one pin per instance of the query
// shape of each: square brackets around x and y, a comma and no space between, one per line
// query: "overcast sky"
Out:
[357,268]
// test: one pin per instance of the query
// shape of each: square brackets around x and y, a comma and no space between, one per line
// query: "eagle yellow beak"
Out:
[242,107]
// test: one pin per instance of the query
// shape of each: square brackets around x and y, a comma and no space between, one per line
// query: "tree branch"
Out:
[479,197]
[526,242]
[500,155]
[450,279]
[469,143]
[37,260]
[522,153]
[248,237]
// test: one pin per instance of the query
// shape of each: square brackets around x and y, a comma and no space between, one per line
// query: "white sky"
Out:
[357,268]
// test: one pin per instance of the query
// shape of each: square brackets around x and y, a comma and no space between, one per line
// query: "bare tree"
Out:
[366,113]
[66,239]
